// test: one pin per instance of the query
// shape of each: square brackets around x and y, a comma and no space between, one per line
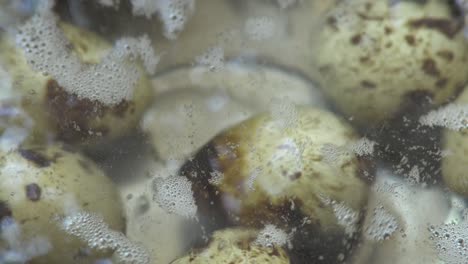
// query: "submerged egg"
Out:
[455,140]
[72,83]
[297,172]
[38,187]
[376,59]
[235,246]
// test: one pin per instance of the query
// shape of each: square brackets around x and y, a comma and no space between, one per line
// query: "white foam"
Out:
[109,82]
[451,242]
[382,225]
[260,28]
[173,13]
[174,194]
[213,58]
[92,230]
[453,116]
[271,236]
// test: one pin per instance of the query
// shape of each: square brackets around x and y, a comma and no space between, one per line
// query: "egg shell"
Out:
[40,185]
[455,163]
[374,58]
[67,117]
[258,173]
[232,246]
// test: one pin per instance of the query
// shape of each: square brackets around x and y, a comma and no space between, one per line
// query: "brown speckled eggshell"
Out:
[455,164]
[275,175]
[39,185]
[69,118]
[373,57]
[235,246]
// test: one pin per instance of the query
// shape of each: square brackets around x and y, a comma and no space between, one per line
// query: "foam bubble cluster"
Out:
[92,229]
[382,225]
[260,28]
[362,147]
[452,116]
[213,58]
[271,236]
[110,82]
[450,242]
[284,112]
[173,13]
[174,195]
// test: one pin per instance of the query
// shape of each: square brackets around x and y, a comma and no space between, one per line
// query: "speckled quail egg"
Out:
[41,185]
[69,83]
[374,57]
[232,246]
[455,141]
[295,171]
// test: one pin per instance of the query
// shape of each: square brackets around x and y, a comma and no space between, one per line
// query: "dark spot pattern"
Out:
[35,157]
[331,21]
[441,83]
[72,116]
[429,66]
[368,84]
[388,30]
[410,40]
[5,210]
[286,214]
[447,27]
[356,39]
[446,55]
[33,192]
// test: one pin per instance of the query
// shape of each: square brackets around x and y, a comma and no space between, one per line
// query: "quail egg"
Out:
[455,140]
[374,57]
[232,246]
[88,98]
[295,171]
[41,185]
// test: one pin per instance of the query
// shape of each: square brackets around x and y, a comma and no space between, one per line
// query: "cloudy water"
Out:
[233,131]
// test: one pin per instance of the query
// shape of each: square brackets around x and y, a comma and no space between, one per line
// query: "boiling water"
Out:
[253,123]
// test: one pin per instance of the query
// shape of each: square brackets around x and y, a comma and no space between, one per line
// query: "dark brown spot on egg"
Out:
[429,66]
[446,55]
[207,197]
[418,97]
[39,159]
[295,176]
[441,83]
[75,118]
[388,30]
[364,59]
[410,40]
[5,210]
[364,16]
[356,39]
[274,252]
[447,27]
[33,192]
[368,84]
[331,21]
